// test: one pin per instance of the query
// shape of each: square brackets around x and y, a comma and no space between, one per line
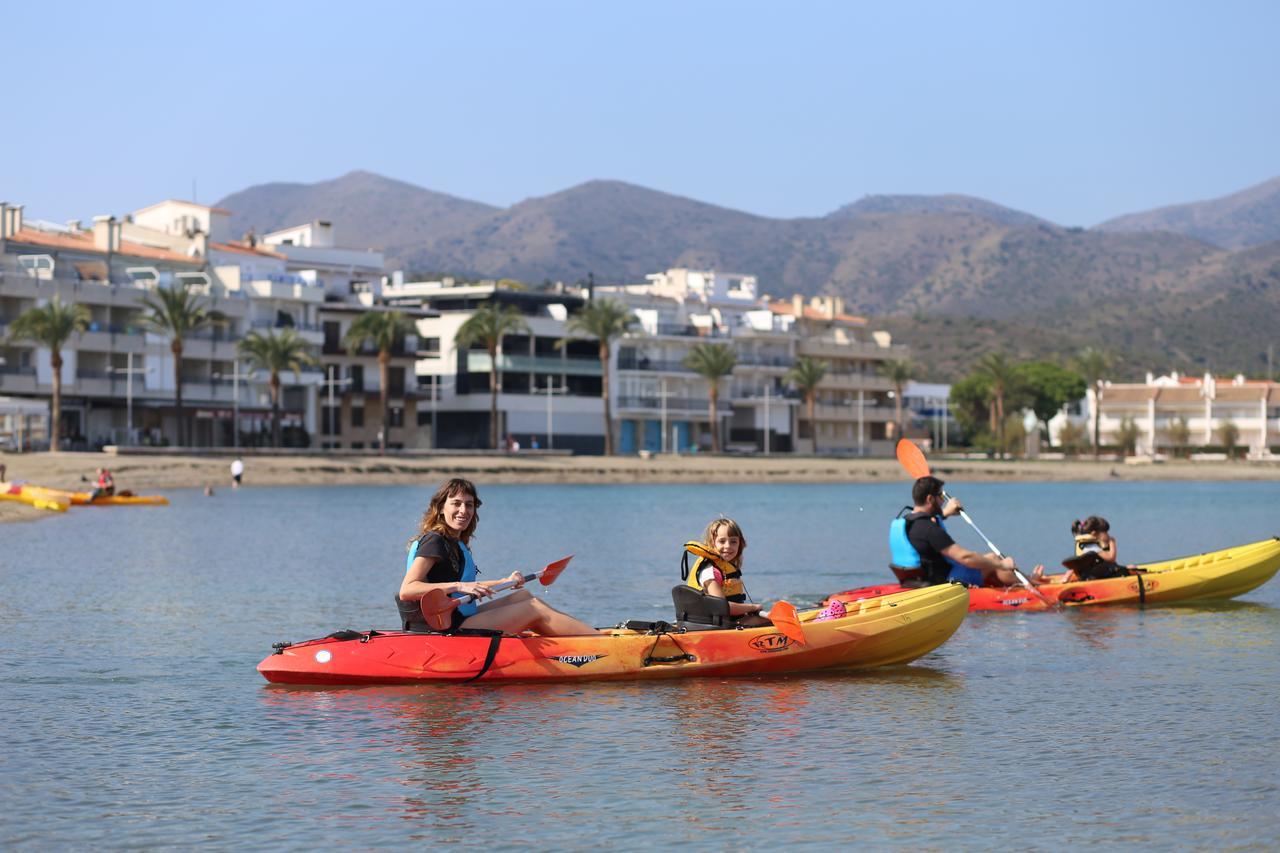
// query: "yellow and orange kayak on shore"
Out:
[83,498]
[34,496]
[891,629]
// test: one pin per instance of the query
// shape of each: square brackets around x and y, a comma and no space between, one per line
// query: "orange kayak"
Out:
[124,498]
[35,496]
[892,629]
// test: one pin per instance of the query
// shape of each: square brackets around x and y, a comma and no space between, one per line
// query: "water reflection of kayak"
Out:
[1212,575]
[892,629]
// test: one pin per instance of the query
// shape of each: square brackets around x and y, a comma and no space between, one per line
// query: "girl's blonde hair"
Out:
[709,537]
[433,518]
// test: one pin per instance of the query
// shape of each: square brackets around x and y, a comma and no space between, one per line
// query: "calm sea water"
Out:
[132,714]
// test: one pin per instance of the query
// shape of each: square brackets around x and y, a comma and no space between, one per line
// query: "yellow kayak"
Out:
[33,496]
[122,498]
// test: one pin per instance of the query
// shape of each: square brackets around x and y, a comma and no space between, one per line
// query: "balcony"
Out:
[17,379]
[654,364]
[286,287]
[676,406]
[848,413]
[828,348]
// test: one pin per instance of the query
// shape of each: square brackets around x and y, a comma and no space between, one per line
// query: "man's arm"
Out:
[974,560]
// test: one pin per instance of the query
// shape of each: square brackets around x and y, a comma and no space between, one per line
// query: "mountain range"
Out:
[1194,287]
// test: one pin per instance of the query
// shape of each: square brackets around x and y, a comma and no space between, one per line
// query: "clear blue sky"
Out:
[1074,111]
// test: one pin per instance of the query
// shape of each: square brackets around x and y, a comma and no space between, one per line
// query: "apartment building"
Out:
[854,412]
[661,405]
[549,387]
[118,378]
[1204,404]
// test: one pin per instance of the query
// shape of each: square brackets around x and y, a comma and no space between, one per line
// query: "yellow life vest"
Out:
[732,584]
[1084,541]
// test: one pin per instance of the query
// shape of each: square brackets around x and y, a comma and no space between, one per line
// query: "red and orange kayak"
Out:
[892,629]
[1202,577]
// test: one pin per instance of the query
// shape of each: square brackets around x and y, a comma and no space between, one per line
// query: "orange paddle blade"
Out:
[784,618]
[437,609]
[553,570]
[912,460]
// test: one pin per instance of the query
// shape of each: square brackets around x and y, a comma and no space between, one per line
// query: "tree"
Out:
[50,325]
[1093,365]
[1180,436]
[274,353]
[1073,437]
[176,312]
[606,320]
[998,370]
[899,372]
[1127,436]
[970,404]
[1229,434]
[712,361]
[805,376]
[489,325]
[1049,387]
[384,331]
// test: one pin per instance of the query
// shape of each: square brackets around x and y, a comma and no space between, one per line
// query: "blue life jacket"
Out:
[902,554]
[469,574]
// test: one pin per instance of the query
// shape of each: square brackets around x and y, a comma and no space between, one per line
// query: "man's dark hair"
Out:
[925,488]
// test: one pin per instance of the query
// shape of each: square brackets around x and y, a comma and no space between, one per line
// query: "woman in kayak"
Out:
[718,570]
[439,558]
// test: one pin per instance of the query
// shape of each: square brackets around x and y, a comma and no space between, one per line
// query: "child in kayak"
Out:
[105,485]
[440,558]
[1095,543]
[717,571]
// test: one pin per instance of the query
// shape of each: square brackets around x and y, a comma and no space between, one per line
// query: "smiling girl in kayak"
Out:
[1094,540]
[718,570]
[440,558]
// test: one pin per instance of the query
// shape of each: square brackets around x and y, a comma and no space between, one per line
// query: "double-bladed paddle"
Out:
[784,617]
[912,460]
[438,605]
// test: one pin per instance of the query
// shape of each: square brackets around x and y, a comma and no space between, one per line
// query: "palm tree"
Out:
[606,320]
[899,372]
[49,326]
[1094,365]
[383,331]
[805,375]
[177,312]
[489,325]
[711,361]
[995,367]
[274,353]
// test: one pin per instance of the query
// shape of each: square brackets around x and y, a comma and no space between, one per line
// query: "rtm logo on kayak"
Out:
[770,643]
[579,661]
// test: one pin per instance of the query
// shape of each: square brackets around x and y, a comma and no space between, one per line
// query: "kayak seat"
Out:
[698,611]
[909,578]
[411,616]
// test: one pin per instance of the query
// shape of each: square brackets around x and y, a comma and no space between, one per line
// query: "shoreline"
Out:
[149,474]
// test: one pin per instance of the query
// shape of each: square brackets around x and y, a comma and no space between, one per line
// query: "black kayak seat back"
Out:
[700,611]
[410,613]
[909,577]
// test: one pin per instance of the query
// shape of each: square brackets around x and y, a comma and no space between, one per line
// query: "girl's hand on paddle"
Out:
[517,579]
[478,590]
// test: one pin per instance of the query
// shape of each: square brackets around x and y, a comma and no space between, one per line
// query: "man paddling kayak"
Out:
[921,535]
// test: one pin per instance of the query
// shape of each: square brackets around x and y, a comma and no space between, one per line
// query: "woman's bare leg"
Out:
[521,611]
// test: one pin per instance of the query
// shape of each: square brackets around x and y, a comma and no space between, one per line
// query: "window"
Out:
[331,420]
[431,346]
[356,374]
[424,417]
[357,416]
[396,417]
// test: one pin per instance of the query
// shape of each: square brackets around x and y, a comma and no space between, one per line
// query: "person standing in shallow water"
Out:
[440,558]
[237,472]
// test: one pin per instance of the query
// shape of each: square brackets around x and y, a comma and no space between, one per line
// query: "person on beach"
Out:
[717,570]
[237,472]
[1096,553]
[440,558]
[922,534]
[104,486]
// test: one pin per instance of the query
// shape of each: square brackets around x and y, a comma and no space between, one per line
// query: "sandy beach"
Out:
[151,474]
